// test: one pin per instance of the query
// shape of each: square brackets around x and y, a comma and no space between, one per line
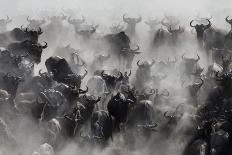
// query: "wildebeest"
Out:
[119,107]
[200,29]
[76,22]
[18,34]
[101,128]
[189,66]
[10,83]
[35,24]
[34,50]
[131,24]
[62,72]
[4,23]
[119,47]
[143,74]
[111,80]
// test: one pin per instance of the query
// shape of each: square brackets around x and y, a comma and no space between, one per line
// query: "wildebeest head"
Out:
[145,66]
[175,32]
[26,34]
[116,28]
[34,50]
[76,22]
[190,64]
[132,21]
[152,23]
[111,80]
[143,73]
[46,79]
[33,23]
[170,21]
[75,80]
[56,19]
[119,106]
[3,23]
[200,28]
[89,101]
[131,24]
[195,87]
[87,33]
[128,54]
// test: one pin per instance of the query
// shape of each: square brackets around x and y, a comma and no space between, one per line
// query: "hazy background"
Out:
[106,12]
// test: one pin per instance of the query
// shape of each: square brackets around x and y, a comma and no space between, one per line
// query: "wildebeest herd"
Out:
[109,102]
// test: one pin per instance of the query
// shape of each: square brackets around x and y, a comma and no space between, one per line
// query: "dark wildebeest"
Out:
[18,34]
[34,50]
[61,72]
[200,29]
[119,107]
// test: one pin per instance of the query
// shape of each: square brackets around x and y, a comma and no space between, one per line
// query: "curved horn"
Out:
[40,72]
[83,76]
[124,18]
[21,27]
[98,99]
[198,58]
[228,20]
[209,24]
[136,49]
[46,45]
[120,77]
[164,24]
[138,64]
[102,74]
[192,23]
[8,20]
[83,91]
[28,19]
[202,82]
[26,30]
[129,73]
[183,56]
[152,63]
[40,31]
